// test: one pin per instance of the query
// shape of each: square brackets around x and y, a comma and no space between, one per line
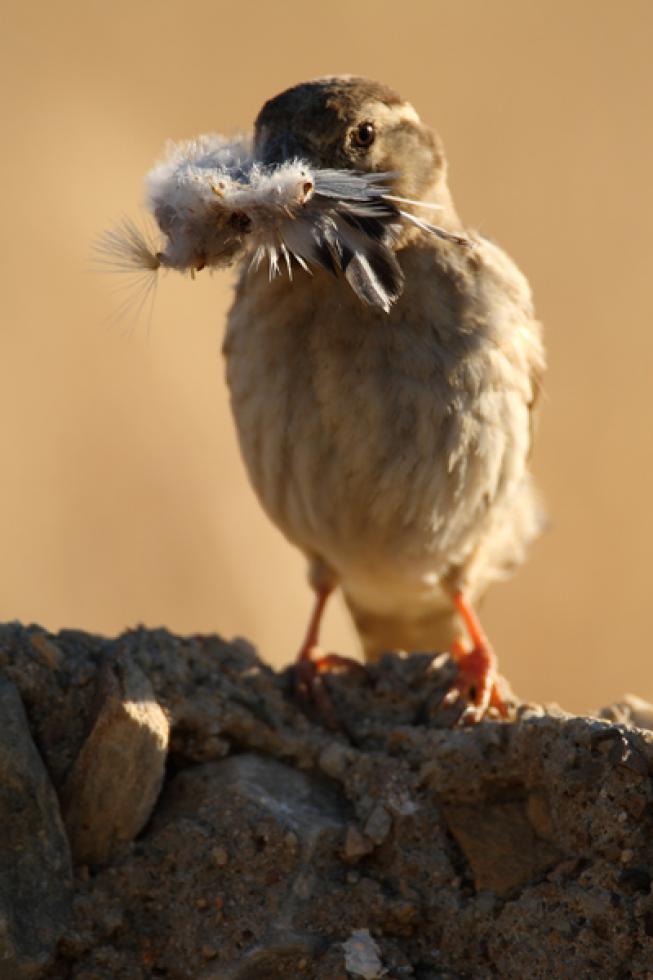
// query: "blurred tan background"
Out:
[123,499]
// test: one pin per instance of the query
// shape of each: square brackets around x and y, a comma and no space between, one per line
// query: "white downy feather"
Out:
[214,203]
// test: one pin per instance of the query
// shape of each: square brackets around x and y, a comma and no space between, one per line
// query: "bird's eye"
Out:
[363,135]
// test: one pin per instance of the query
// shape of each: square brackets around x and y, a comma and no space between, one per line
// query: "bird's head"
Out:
[351,123]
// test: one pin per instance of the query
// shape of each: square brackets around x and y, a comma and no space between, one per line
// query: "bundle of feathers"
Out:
[214,203]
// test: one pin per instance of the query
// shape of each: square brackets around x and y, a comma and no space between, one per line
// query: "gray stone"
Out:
[259,832]
[515,849]
[281,957]
[630,711]
[378,824]
[501,845]
[294,799]
[362,955]
[35,867]
[335,759]
[356,844]
[116,779]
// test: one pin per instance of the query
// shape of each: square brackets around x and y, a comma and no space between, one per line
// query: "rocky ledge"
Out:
[168,809]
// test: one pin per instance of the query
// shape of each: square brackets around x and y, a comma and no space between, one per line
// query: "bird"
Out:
[391,444]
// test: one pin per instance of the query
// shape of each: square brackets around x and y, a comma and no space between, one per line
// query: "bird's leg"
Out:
[477,668]
[311,662]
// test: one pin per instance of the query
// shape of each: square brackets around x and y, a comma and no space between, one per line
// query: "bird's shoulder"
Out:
[469,312]
[478,275]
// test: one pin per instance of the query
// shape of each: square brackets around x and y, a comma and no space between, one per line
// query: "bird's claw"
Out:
[477,684]
[310,668]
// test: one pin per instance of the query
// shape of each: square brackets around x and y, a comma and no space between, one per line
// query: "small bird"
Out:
[383,372]
[390,441]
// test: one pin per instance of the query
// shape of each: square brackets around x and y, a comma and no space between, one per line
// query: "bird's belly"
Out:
[362,452]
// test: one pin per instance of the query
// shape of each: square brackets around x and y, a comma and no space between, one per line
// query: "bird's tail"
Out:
[434,631]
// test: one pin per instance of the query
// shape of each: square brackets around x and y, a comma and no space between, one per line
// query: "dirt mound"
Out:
[169,810]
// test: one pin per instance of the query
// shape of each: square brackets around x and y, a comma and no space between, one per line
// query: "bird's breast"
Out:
[368,437]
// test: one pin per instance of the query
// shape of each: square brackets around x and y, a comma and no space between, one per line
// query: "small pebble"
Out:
[334,759]
[379,824]
[303,886]
[356,844]
[48,652]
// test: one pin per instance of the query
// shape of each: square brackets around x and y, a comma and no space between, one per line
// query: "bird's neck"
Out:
[443,213]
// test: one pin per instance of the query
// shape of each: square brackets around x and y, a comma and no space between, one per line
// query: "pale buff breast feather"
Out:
[392,449]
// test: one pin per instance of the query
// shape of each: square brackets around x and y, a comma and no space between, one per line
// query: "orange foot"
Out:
[312,663]
[477,670]
[310,667]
